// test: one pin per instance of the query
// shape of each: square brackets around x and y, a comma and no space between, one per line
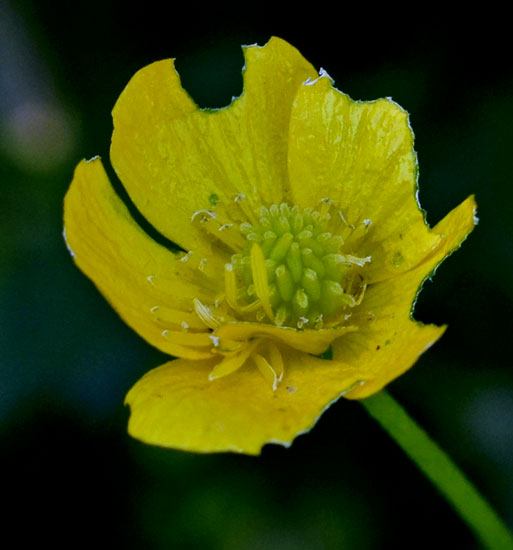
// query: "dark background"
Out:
[71,475]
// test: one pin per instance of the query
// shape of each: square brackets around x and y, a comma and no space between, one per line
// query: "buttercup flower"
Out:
[302,238]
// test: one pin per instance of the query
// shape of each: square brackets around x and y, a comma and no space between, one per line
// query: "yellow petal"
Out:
[360,155]
[177,406]
[388,342]
[174,158]
[146,283]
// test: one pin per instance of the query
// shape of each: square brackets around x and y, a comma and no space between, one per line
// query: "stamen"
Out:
[266,370]
[301,322]
[231,292]
[359,298]
[276,360]
[234,362]
[205,314]
[319,322]
[225,226]
[361,290]
[221,230]
[248,212]
[205,215]
[326,204]
[259,273]
[215,340]
[230,286]
[344,221]
[354,260]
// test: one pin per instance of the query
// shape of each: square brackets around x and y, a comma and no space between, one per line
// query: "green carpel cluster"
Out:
[309,279]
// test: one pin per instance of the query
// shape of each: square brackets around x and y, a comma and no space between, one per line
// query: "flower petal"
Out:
[360,155]
[146,283]
[177,406]
[175,159]
[389,341]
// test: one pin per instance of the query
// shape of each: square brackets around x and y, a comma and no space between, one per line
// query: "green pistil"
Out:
[309,279]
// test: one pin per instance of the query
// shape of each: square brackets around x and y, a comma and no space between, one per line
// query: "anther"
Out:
[205,215]
[225,226]
[205,314]
[259,273]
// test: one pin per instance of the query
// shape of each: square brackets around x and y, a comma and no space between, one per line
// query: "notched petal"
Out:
[146,283]
[173,157]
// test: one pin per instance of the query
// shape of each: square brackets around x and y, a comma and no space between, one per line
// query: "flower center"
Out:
[292,271]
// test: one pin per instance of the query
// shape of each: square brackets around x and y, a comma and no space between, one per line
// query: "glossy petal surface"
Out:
[389,341]
[177,406]
[360,155]
[172,157]
[131,270]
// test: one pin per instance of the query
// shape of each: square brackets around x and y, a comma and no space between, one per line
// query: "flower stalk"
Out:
[473,509]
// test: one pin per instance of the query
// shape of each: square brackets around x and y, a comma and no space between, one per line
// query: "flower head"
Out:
[296,210]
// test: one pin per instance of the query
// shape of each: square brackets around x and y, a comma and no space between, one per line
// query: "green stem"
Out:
[441,471]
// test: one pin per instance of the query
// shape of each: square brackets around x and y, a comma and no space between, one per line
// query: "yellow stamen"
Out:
[222,230]
[361,290]
[247,209]
[354,260]
[205,314]
[359,299]
[231,292]
[259,273]
[359,296]
[230,286]
[234,362]
[326,205]
[266,370]
[276,360]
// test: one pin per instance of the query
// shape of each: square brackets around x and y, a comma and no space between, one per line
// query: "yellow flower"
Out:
[296,210]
